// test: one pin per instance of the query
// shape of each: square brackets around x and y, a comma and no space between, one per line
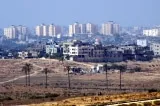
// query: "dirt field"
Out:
[12,81]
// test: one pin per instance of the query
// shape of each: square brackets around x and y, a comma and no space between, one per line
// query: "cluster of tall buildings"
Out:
[109,28]
[16,32]
[48,30]
[77,28]
[20,32]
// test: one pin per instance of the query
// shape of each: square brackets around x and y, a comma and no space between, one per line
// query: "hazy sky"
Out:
[64,12]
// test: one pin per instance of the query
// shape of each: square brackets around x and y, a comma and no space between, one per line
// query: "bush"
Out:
[36,97]
[137,69]
[5,99]
[50,95]
[156,102]
[152,90]
[133,104]
[147,104]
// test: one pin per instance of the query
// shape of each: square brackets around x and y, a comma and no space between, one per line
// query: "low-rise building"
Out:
[23,54]
[155,47]
[53,48]
[142,42]
[152,32]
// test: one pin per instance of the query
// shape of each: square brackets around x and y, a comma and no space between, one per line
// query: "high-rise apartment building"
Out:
[77,28]
[82,28]
[39,30]
[45,30]
[116,28]
[54,30]
[10,32]
[74,29]
[91,28]
[16,32]
[22,32]
[48,30]
[110,28]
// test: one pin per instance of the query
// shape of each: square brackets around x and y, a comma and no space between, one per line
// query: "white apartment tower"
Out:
[42,30]
[82,28]
[110,28]
[54,30]
[22,32]
[91,28]
[74,29]
[70,30]
[116,29]
[16,32]
[10,32]
[39,30]
[45,30]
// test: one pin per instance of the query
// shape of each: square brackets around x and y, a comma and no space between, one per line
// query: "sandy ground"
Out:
[12,79]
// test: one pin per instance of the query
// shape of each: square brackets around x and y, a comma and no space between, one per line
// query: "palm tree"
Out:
[122,68]
[46,71]
[69,81]
[105,68]
[24,69]
[28,67]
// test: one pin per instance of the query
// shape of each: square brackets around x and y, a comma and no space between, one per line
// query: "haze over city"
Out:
[79,53]
[65,12]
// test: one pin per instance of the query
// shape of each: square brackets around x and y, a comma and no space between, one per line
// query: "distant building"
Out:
[54,30]
[16,32]
[155,47]
[47,30]
[91,28]
[83,28]
[23,55]
[22,32]
[110,28]
[74,29]
[84,52]
[142,42]
[53,48]
[77,28]
[39,30]
[10,32]
[152,32]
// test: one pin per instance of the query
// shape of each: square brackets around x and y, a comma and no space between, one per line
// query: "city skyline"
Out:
[124,12]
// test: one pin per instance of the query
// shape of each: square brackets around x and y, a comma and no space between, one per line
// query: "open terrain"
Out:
[14,91]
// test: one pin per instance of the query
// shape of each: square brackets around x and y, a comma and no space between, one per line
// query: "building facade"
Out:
[16,32]
[47,30]
[152,32]
[155,47]
[110,28]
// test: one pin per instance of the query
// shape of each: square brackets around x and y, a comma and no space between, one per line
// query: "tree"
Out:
[105,68]
[121,68]
[24,69]
[46,71]
[69,81]
[28,68]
